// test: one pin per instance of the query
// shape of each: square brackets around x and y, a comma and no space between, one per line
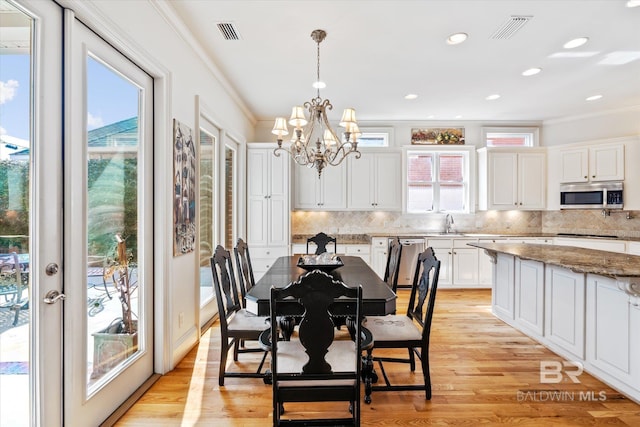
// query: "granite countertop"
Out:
[344,239]
[581,260]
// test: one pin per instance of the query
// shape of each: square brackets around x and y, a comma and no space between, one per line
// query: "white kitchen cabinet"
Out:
[565,310]
[363,251]
[379,253]
[458,262]
[268,209]
[529,296]
[325,193]
[613,322]
[503,292]
[375,181]
[593,163]
[262,258]
[511,179]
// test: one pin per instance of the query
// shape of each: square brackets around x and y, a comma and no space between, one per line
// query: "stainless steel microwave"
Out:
[602,195]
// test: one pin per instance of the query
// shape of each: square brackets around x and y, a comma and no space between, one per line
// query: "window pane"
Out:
[509,140]
[451,197]
[451,167]
[112,219]
[420,168]
[206,213]
[419,197]
[229,184]
[373,139]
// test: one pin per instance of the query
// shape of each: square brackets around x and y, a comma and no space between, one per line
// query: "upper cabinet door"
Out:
[503,181]
[593,163]
[606,163]
[575,165]
[388,178]
[361,182]
[531,183]
[333,184]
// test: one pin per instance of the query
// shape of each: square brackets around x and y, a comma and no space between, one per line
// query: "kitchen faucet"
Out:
[448,222]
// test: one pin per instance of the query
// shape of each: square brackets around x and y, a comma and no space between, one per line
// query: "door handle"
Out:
[53,297]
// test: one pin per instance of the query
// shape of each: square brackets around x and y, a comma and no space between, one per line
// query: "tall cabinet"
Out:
[268,210]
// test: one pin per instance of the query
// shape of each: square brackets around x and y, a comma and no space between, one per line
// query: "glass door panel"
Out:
[113,306]
[15,172]
[207,209]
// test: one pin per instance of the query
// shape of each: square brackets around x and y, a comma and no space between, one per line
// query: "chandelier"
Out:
[314,142]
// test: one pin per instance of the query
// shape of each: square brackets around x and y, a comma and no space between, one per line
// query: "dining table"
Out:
[378,299]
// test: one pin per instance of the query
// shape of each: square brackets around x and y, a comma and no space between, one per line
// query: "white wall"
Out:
[607,125]
[146,27]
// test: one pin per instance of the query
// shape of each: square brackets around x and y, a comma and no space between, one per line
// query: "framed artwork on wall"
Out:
[184,184]
[441,136]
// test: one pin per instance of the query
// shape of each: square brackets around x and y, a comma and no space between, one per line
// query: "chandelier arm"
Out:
[346,149]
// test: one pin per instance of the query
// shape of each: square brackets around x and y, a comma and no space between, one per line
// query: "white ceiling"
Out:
[378,51]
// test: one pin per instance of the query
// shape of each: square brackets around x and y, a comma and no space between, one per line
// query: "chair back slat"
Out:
[316,292]
[321,240]
[392,270]
[224,284]
[424,290]
[243,267]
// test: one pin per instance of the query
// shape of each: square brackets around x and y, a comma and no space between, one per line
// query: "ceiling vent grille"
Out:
[510,27]
[228,31]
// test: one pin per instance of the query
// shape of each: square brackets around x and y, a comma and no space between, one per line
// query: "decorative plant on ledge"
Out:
[114,344]
[118,271]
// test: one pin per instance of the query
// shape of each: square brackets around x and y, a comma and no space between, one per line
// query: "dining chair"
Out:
[410,331]
[392,270]
[321,240]
[236,324]
[244,269]
[313,366]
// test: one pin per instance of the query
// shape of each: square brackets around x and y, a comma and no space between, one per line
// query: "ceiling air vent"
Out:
[228,31]
[510,27]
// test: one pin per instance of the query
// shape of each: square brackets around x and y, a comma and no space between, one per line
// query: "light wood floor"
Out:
[483,373]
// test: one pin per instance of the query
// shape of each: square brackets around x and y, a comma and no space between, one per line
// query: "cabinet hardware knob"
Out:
[520,203]
[593,176]
[585,177]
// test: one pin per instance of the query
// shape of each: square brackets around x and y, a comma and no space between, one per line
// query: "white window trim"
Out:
[469,153]
[385,132]
[534,130]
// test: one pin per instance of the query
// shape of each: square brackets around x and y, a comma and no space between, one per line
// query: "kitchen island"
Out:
[581,303]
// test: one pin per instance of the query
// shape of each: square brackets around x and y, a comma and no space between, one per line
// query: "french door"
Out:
[108,182]
[80,202]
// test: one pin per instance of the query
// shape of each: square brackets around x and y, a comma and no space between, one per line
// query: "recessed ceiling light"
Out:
[531,71]
[594,97]
[492,97]
[633,3]
[319,85]
[571,44]
[431,116]
[457,38]
[458,117]
[410,96]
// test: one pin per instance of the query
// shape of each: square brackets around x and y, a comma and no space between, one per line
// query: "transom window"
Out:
[510,136]
[437,182]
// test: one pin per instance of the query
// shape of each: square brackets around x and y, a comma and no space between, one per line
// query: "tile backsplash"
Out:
[498,222]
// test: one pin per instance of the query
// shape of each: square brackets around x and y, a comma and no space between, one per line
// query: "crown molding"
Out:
[591,115]
[171,17]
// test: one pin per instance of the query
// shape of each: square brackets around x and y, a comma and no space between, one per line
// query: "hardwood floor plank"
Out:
[483,373]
